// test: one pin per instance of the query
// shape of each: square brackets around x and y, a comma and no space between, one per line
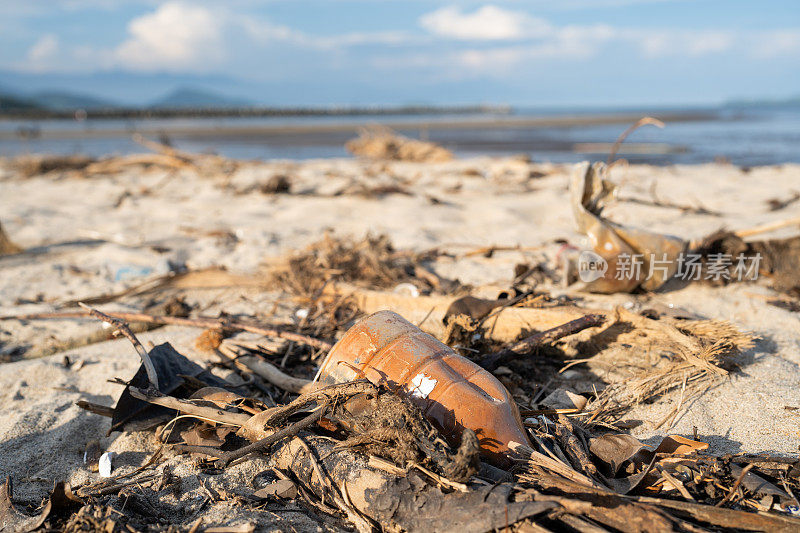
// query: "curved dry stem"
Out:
[633,127]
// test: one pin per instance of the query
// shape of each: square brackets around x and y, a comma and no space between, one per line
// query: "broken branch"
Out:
[123,329]
[264,443]
[210,413]
[529,344]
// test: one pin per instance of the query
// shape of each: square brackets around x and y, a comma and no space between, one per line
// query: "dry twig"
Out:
[123,329]
[199,322]
[529,344]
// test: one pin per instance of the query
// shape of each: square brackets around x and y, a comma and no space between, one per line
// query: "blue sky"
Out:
[319,52]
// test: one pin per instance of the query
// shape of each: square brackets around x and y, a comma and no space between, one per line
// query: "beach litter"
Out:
[611,243]
[382,395]
[454,393]
[398,432]
[625,259]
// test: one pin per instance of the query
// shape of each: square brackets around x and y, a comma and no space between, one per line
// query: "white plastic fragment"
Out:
[104,465]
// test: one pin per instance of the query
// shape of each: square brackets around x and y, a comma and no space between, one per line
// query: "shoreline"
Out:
[277,130]
[113,113]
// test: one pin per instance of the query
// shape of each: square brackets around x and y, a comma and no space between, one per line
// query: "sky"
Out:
[392,52]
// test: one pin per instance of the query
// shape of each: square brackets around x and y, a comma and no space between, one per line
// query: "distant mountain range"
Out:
[15,104]
[53,100]
[189,97]
[68,101]
[116,93]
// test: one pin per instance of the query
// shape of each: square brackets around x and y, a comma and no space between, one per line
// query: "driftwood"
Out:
[207,413]
[408,502]
[427,312]
[268,371]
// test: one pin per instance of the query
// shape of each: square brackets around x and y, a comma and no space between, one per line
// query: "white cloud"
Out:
[488,23]
[537,38]
[570,42]
[777,43]
[207,36]
[44,50]
[390,38]
[262,31]
[176,36]
[658,43]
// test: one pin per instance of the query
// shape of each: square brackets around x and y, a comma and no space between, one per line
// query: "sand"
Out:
[122,230]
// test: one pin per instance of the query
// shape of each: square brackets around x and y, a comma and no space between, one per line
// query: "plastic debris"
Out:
[453,392]
[613,244]
[104,466]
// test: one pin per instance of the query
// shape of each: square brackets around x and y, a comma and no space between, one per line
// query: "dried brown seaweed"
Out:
[372,261]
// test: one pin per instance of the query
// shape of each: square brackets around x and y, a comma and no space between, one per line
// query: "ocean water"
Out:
[744,136]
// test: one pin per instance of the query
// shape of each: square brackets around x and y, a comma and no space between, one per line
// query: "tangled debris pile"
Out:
[372,453]
[385,144]
[371,262]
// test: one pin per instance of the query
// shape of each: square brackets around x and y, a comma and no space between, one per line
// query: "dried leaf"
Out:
[615,449]
[283,488]
[675,444]
[564,399]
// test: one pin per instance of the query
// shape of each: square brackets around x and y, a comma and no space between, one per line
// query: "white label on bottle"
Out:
[422,385]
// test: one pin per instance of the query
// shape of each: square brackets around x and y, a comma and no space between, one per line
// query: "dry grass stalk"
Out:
[690,355]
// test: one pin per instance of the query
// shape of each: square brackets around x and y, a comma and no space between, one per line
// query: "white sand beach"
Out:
[123,229]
